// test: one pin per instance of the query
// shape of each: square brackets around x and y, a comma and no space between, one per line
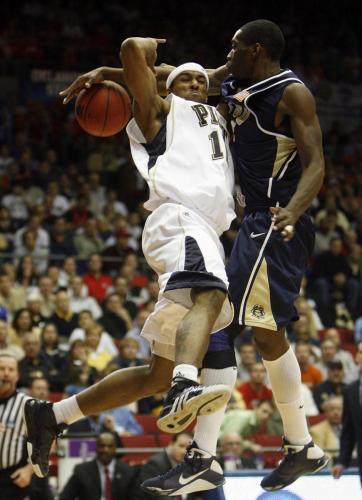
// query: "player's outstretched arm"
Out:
[138,56]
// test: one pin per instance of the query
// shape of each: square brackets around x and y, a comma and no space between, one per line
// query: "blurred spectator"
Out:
[27,247]
[162,462]
[39,388]
[144,351]
[121,421]
[77,375]
[97,356]
[68,270]
[311,375]
[255,389]
[33,365]
[34,307]
[57,204]
[79,215]
[21,325]
[47,296]
[325,231]
[121,287]
[41,244]
[12,297]
[327,433]
[7,347]
[328,353]
[88,240]
[115,320]
[50,348]
[14,202]
[98,283]
[105,477]
[26,276]
[128,354]
[247,359]
[7,230]
[61,240]
[333,386]
[349,366]
[117,252]
[231,453]
[248,422]
[79,299]
[63,317]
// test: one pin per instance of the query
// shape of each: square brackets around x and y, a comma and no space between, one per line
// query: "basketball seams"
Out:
[106,111]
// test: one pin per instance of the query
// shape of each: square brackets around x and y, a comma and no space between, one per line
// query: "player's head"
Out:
[259,40]
[189,81]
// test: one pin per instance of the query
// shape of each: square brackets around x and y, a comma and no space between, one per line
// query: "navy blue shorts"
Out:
[265,272]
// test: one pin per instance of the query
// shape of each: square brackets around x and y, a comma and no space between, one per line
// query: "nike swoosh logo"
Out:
[253,235]
[186,480]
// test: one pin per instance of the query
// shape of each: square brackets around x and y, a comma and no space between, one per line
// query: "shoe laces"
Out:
[180,384]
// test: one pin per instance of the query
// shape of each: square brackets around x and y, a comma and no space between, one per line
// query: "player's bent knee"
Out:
[159,374]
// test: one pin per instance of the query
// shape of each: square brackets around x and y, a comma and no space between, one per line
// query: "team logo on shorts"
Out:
[258,311]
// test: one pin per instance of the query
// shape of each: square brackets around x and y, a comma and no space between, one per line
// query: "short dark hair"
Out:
[176,436]
[335,365]
[268,34]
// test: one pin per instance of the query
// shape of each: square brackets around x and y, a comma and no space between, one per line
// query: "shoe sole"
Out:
[29,447]
[325,463]
[184,489]
[205,404]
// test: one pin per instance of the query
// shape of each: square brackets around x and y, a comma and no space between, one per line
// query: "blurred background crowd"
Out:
[74,287]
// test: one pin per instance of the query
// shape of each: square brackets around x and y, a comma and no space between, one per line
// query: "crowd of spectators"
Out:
[75,289]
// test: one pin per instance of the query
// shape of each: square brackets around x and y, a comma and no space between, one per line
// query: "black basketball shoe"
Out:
[42,429]
[199,471]
[186,400]
[298,461]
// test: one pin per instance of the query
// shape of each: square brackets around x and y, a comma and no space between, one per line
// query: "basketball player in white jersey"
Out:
[177,145]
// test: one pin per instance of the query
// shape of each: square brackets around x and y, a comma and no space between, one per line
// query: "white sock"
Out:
[208,427]
[285,379]
[186,371]
[67,411]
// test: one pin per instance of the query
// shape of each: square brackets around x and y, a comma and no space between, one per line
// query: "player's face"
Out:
[240,60]
[191,86]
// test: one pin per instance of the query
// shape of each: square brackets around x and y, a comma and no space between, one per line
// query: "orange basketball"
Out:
[104,109]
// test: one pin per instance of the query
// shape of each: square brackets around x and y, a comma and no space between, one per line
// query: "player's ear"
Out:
[256,49]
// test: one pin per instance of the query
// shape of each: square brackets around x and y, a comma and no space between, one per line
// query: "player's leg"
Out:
[200,470]
[186,398]
[302,455]
[45,421]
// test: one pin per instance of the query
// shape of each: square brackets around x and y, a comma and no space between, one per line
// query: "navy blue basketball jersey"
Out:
[265,157]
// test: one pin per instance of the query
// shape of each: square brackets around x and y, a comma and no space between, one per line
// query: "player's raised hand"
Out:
[83,81]
[283,220]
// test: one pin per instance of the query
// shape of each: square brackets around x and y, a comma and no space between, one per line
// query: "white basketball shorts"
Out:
[185,252]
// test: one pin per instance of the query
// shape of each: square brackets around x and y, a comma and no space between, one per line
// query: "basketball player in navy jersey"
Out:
[181,243]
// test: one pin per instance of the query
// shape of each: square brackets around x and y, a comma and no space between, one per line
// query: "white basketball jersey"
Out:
[191,163]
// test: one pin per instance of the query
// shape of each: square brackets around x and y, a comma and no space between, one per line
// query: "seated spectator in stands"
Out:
[122,421]
[80,300]
[128,354]
[161,463]
[41,245]
[98,283]
[148,291]
[15,203]
[144,352]
[33,303]
[68,270]
[311,375]
[247,354]
[105,477]
[63,317]
[327,433]
[97,357]
[79,214]
[47,296]
[248,422]
[21,325]
[304,309]
[300,331]
[86,321]
[328,353]
[7,229]
[77,374]
[7,347]
[53,272]
[39,388]
[61,240]
[115,320]
[88,241]
[56,203]
[349,366]
[50,347]
[28,247]
[255,389]
[117,252]
[33,365]
[26,277]
[12,297]
[121,287]
[231,455]
[333,386]
[330,204]
[326,230]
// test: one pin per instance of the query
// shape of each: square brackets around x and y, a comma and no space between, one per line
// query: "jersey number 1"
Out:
[215,144]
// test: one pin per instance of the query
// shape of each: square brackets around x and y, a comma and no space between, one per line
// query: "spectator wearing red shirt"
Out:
[97,282]
[255,389]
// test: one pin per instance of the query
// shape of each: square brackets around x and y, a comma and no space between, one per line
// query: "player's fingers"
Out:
[160,40]
[274,210]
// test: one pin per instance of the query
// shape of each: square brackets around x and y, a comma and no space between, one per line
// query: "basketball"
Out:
[103,109]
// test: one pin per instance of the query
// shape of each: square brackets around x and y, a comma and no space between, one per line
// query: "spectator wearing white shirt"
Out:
[16,204]
[80,301]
